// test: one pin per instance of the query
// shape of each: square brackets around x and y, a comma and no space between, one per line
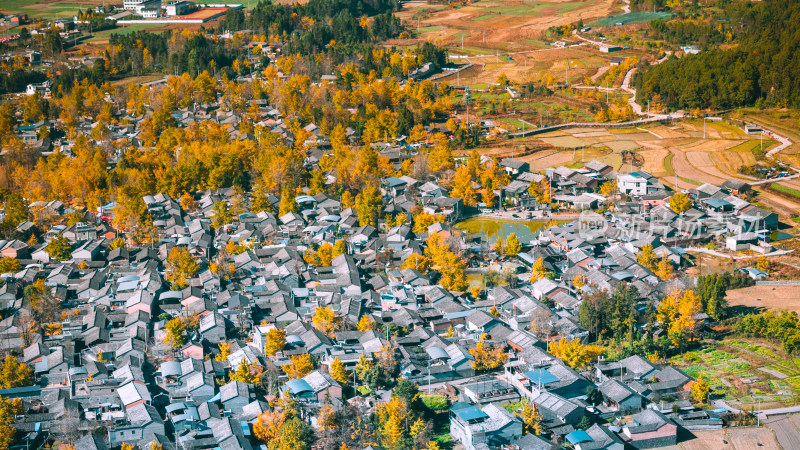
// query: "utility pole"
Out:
[704,125]
[759,412]
[466,103]
[462,42]
[607,91]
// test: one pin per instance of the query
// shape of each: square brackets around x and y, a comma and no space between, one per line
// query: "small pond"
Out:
[495,227]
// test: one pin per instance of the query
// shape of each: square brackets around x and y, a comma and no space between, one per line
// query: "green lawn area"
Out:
[785,190]
[537,8]
[37,8]
[484,17]
[132,28]
[430,29]
[510,123]
[631,17]
[435,402]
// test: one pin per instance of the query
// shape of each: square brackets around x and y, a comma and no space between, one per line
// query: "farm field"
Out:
[507,24]
[786,430]
[102,37]
[744,372]
[506,37]
[767,297]
[737,439]
[48,8]
[630,18]
[665,151]
[529,63]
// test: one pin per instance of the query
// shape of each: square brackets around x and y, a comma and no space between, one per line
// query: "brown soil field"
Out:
[781,204]
[529,65]
[654,162]
[553,159]
[794,184]
[768,297]
[737,439]
[729,162]
[520,22]
[669,132]
[514,29]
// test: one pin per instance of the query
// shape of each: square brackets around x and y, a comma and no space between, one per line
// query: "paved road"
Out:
[773,180]
[765,413]
[785,142]
[779,412]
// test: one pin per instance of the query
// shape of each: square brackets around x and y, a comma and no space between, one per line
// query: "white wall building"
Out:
[634,183]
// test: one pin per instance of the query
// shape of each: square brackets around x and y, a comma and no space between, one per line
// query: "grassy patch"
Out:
[631,17]
[785,190]
[691,181]
[435,402]
[512,407]
[495,228]
[430,29]
[667,163]
[131,28]
[441,430]
[364,390]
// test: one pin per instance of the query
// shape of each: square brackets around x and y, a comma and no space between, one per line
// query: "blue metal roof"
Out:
[298,386]
[717,202]
[471,413]
[541,376]
[578,436]
[175,407]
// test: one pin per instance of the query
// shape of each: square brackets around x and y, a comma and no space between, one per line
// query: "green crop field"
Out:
[785,190]
[42,8]
[732,369]
[631,17]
